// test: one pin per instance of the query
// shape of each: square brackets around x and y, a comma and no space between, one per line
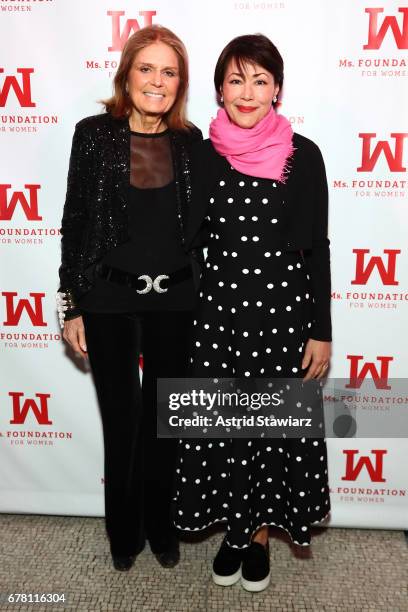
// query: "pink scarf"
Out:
[262,151]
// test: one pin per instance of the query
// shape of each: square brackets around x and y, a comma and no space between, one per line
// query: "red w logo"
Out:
[394,160]
[380,379]
[376,34]
[20,412]
[132,25]
[29,206]
[23,92]
[14,312]
[374,471]
[387,273]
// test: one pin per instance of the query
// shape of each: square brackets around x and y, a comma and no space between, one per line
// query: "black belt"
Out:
[143,283]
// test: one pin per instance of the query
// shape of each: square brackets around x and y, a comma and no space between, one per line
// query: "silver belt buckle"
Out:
[155,284]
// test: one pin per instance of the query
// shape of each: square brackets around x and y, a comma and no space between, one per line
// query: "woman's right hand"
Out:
[74,334]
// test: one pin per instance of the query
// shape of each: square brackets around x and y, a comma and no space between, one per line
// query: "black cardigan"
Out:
[306,195]
[95,217]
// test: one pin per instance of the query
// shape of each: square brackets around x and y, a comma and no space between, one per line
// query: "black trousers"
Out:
[139,467]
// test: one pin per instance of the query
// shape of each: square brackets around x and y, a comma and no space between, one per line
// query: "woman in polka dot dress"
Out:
[264,312]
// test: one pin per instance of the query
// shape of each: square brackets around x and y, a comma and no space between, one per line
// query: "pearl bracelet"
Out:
[61,307]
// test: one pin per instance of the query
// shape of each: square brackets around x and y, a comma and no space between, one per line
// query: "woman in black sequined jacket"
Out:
[128,281]
[95,216]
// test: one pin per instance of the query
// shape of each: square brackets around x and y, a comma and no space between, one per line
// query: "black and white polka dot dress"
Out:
[252,321]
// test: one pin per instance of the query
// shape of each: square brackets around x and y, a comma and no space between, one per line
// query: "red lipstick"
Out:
[246,109]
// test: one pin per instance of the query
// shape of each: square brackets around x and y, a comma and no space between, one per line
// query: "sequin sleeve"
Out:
[75,220]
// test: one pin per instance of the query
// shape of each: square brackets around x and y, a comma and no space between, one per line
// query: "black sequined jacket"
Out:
[95,217]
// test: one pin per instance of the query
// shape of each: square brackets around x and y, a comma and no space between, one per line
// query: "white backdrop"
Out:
[345,67]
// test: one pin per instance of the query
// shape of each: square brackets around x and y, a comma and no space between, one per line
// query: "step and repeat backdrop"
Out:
[345,88]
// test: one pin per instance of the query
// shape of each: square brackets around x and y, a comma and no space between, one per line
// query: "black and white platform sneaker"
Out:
[226,569]
[255,567]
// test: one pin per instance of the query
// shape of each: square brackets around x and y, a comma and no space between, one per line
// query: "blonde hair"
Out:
[120,105]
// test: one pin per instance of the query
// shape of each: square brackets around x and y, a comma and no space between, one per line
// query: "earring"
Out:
[275,99]
[222,99]
[127,88]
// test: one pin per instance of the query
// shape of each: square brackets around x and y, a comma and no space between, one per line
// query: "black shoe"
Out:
[256,568]
[170,556]
[123,563]
[226,569]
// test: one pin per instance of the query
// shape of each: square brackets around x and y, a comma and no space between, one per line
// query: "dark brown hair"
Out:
[120,105]
[250,49]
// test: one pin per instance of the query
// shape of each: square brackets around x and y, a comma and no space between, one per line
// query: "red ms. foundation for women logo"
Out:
[20,216]
[37,407]
[22,321]
[372,465]
[385,265]
[362,466]
[360,367]
[19,85]
[384,28]
[375,280]
[31,307]
[30,421]
[380,24]
[122,26]
[392,151]
[379,159]
[27,201]
[16,95]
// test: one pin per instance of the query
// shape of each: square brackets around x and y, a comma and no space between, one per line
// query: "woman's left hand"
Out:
[317,358]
